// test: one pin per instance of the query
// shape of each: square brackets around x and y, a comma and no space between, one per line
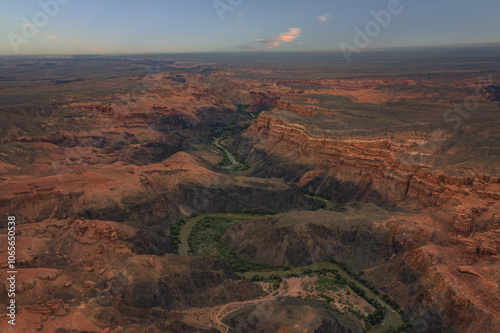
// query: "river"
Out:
[392,317]
[233,160]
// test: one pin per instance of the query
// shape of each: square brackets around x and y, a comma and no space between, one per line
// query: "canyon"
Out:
[376,172]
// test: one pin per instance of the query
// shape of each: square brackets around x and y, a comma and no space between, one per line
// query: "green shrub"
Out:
[328,298]
[405,328]
[377,316]
[392,303]
[318,204]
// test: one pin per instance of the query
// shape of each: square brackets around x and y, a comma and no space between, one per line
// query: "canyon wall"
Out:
[374,161]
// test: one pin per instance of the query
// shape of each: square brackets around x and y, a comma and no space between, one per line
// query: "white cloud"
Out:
[323,18]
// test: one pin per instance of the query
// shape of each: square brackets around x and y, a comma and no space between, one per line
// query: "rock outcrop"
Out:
[289,314]
[100,282]
[374,164]
[364,238]
[150,195]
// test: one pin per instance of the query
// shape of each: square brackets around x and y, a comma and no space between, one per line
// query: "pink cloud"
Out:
[286,37]
[292,34]
[50,36]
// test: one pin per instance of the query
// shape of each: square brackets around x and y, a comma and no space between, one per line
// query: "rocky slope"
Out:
[150,195]
[289,315]
[364,237]
[443,282]
[82,274]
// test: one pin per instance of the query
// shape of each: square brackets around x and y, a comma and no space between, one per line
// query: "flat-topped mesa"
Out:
[372,160]
[309,110]
[353,84]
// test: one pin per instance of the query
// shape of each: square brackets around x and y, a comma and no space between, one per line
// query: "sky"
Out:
[29,27]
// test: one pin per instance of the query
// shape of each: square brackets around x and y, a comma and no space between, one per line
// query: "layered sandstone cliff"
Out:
[375,160]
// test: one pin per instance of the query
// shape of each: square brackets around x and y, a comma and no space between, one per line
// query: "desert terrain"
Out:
[252,193]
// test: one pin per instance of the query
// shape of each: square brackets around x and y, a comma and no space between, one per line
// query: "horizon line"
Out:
[366,50]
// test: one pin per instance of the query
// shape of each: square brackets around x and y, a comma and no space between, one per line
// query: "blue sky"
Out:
[150,26]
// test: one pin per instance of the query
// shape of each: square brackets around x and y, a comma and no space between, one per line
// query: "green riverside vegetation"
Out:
[206,239]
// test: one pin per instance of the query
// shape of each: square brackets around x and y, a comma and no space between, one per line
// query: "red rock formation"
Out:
[300,109]
[377,159]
